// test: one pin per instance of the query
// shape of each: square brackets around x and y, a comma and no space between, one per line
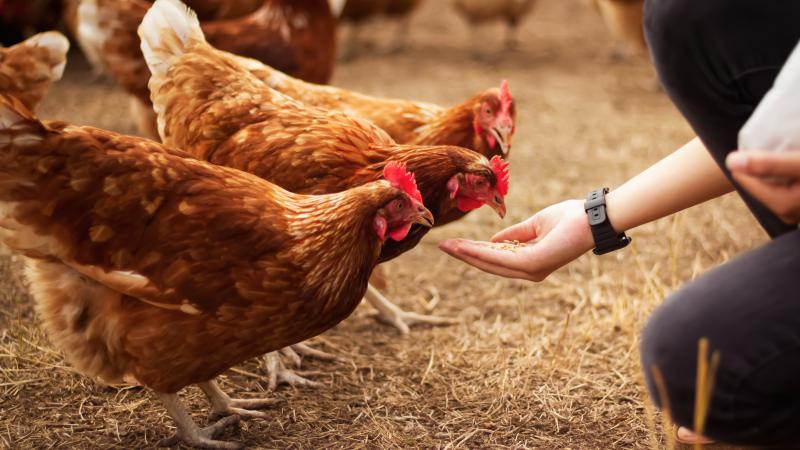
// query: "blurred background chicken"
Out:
[358,12]
[624,19]
[148,264]
[20,19]
[223,9]
[28,68]
[246,125]
[478,12]
[297,36]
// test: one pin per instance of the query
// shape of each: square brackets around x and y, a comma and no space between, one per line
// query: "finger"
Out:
[765,163]
[764,190]
[488,267]
[781,199]
[524,232]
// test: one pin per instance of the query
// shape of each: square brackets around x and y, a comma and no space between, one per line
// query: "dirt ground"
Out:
[548,366]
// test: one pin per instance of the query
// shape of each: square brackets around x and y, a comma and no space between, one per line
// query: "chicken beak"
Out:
[499,206]
[423,216]
[503,136]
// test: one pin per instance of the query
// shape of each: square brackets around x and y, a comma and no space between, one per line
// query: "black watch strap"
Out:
[605,238]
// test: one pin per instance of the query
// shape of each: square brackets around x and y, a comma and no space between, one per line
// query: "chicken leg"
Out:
[222,405]
[512,35]
[188,431]
[390,314]
[351,49]
[400,40]
[278,373]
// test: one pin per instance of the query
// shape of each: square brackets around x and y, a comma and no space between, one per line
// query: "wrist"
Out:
[616,213]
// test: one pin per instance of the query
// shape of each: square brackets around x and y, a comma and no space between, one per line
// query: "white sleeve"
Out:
[775,124]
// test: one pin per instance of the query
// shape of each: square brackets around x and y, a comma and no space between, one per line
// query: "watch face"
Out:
[597,215]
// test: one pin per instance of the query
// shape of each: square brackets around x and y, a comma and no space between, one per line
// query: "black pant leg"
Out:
[749,309]
[716,60]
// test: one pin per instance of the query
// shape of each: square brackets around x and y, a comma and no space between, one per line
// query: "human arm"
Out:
[560,233]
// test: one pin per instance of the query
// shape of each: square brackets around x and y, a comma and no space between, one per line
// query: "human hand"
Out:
[757,171]
[554,236]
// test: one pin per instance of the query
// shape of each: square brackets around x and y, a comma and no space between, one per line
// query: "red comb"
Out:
[505,97]
[500,168]
[396,174]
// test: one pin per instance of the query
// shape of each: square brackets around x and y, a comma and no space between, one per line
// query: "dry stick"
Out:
[666,412]
[704,386]
[559,341]
[649,414]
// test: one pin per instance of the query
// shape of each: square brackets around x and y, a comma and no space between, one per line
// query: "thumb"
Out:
[524,231]
[765,163]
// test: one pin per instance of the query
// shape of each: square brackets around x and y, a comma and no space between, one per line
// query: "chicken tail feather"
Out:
[57,46]
[168,28]
[18,125]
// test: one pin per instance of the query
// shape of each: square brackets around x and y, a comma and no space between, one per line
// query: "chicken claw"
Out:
[279,374]
[390,314]
[188,431]
[222,405]
[305,350]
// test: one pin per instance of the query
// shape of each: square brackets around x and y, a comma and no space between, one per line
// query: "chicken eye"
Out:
[487,111]
[398,205]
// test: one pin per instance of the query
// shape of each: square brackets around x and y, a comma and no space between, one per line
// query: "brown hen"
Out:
[297,36]
[478,12]
[249,126]
[359,11]
[147,263]
[625,21]
[485,122]
[28,68]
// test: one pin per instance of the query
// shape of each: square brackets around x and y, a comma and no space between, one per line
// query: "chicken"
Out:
[223,9]
[624,19]
[296,36]
[359,11]
[485,122]
[28,68]
[149,264]
[22,18]
[477,12]
[247,125]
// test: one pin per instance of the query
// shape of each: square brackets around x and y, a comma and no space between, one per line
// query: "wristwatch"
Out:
[606,240]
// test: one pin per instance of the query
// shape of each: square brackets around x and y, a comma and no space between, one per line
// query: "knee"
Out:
[669,347]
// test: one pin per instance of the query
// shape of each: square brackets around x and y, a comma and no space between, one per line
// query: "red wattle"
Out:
[400,233]
[492,140]
[466,204]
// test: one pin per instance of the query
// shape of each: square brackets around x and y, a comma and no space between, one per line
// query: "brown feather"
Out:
[251,127]
[296,36]
[27,69]
[191,258]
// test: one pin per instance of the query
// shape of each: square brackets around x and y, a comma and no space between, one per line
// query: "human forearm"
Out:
[560,233]
[685,178]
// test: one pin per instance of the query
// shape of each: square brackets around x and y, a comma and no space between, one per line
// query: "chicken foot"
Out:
[188,431]
[278,373]
[222,405]
[391,314]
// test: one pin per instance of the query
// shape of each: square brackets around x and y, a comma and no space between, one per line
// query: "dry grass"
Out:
[551,366]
